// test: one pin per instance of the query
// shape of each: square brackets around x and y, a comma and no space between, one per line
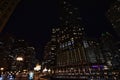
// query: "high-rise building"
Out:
[76,56]
[68,14]
[69,36]
[93,52]
[66,45]
[6,9]
[24,50]
[11,49]
[50,52]
[113,15]
[110,50]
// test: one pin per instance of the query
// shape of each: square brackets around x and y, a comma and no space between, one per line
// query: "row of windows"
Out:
[75,28]
[66,44]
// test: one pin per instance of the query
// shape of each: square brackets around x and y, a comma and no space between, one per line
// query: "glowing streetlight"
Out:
[37,68]
[106,68]
[19,58]
[49,70]
[45,70]
[1,69]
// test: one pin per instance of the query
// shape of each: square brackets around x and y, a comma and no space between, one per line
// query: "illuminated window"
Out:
[64,2]
[82,28]
[79,29]
[72,42]
[85,44]
[52,48]
[53,30]
[74,33]
[72,39]
[70,12]
[66,44]
[118,8]
[69,43]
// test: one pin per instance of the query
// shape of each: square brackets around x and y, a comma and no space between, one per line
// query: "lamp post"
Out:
[1,69]
[37,68]
[19,59]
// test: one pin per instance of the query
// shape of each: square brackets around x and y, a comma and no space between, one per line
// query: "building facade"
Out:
[110,50]
[6,9]
[113,15]
[76,55]
[11,49]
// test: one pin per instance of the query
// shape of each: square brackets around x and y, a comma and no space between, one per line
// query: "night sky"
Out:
[33,19]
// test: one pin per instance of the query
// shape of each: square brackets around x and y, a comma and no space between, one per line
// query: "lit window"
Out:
[118,49]
[69,43]
[72,39]
[52,48]
[53,30]
[64,2]
[79,29]
[82,28]
[85,44]
[118,8]
[70,12]
[74,33]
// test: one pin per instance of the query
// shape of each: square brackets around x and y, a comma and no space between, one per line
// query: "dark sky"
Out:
[33,19]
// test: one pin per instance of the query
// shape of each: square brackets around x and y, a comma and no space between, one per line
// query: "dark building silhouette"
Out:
[75,54]
[113,15]
[11,48]
[110,49]
[6,9]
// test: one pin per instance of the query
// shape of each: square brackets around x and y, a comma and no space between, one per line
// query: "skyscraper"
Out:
[68,14]
[6,9]
[113,15]
[75,55]
[69,35]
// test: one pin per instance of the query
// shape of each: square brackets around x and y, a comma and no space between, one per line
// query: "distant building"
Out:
[93,51]
[70,50]
[113,15]
[71,47]
[110,50]
[6,56]
[69,34]
[22,49]
[49,57]
[6,9]
[75,55]
[12,48]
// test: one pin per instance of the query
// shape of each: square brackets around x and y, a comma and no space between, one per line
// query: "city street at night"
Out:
[59,39]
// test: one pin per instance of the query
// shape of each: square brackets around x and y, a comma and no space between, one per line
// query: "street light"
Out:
[37,68]
[45,70]
[49,70]
[1,68]
[19,58]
